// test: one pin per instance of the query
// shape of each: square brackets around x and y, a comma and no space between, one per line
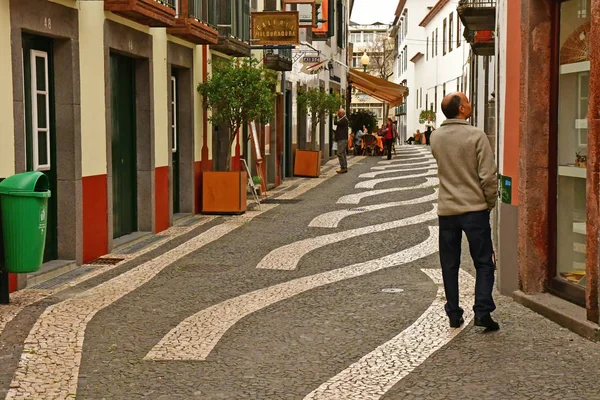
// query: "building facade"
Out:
[549,157]
[372,40]
[101,97]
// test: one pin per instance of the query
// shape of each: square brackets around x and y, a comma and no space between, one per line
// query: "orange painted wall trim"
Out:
[95,222]
[161,195]
[512,100]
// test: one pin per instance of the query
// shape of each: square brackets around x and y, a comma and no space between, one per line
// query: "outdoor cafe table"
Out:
[379,142]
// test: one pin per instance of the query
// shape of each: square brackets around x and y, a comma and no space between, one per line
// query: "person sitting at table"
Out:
[416,138]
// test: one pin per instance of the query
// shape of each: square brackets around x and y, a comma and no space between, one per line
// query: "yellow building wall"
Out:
[93,105]
[161,96]
[7,126]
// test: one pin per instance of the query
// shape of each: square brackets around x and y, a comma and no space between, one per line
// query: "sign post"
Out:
[257,156]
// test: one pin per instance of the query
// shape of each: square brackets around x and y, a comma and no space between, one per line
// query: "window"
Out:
[421,105]
[203,10]
[571,146]
[405,58]
[174,114]
[341,27]
[436,41]
[450,31]
[356,62]
[427,50]
[368,37]
[445,25]
[435,99]
[444,90]
[426,99]
[458,84]
[457,33]
[40,110]
[406,23]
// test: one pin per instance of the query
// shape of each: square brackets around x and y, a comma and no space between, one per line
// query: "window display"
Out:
[572,141]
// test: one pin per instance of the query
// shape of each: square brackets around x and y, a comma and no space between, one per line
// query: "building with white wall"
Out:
[371,40]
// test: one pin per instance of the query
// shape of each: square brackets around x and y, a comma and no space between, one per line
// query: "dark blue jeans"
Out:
[476,226]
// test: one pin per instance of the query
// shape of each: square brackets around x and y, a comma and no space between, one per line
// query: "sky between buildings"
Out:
[370,11]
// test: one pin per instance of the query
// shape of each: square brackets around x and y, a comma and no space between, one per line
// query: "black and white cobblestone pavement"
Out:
[333,296]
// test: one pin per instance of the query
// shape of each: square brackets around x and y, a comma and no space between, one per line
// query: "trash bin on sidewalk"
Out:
[24,204]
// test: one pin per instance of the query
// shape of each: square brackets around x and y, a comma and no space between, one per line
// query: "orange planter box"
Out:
[307,163]
[224,192]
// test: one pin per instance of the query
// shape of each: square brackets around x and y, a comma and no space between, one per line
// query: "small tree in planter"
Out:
[238,92]
[317,103]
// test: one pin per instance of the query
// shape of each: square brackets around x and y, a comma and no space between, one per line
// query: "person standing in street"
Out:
[389,135]
[468,191]
[429,128]
[341,137]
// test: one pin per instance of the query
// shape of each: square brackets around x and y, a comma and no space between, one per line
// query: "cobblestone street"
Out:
[331,290]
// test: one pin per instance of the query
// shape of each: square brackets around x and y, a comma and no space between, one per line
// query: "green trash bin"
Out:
[24,204]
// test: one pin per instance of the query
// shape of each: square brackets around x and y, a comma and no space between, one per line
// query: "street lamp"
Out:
[364,60]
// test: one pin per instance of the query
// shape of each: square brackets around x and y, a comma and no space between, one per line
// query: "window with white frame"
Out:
[174,114]
[40,111]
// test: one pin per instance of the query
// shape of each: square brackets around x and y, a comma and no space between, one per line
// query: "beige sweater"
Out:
[466,168]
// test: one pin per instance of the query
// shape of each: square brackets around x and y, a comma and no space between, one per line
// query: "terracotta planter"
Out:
[307,163]
[224,192]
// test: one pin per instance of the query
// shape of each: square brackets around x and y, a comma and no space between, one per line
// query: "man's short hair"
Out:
[452,108]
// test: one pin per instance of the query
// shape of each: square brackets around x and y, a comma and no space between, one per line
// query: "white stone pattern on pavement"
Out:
[371,183]
[312,183]
[196,336]
[357,197]
[333,218]
[24,298]
[287,257]
[403,168]
[49,365]
[377,372]
[422,158]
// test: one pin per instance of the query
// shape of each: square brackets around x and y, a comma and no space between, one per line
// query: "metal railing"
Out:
[477,3]
[168,3]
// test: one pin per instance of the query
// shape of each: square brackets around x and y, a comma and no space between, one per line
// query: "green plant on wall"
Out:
[360,118]
[318,104]
[238,92]
[426,114]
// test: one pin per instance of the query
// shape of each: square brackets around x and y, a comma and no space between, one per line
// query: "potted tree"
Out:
[238,92]
[317,104]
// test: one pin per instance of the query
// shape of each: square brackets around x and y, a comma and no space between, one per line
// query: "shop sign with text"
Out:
[275,28]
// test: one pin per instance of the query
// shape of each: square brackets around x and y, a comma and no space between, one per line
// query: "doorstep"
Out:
[564,313]
[50,270]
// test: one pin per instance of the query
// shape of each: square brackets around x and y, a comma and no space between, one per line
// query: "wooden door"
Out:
[124,159]
[40,132]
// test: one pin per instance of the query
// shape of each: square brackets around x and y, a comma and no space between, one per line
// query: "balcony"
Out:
[477,15]
[400,109]
[193,23]
[279,60]
[233,22]
[155,13]
[482,42]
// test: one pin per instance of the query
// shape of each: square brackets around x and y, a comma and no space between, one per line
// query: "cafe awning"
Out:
[386,91]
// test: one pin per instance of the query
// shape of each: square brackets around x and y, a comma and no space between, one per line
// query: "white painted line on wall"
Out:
[357,197]
[403,169]
[376,373]
[196,336]
[287,257]
[333,218]
[370,184]
[49,365]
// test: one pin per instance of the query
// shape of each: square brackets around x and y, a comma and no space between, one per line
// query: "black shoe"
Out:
[487,322]
[456,323]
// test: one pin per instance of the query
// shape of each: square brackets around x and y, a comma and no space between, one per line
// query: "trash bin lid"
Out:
[25,182]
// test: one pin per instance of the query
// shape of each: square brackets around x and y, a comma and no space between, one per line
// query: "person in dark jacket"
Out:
[341,137]
[389,134]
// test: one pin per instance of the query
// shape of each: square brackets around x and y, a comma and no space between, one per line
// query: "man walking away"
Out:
[429,126]
[341,137]
[468,192]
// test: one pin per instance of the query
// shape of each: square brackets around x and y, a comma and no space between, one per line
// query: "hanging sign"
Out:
[275,28]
